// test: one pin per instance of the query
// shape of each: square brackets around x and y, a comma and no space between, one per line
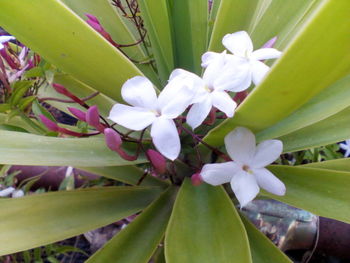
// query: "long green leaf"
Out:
[15,121]
[320,191]
[325,104]
[41,219]
[336,165]
[333,129]
[115,25]
[205,227]
[190,29]
[27,149]
[61,37]
[138,241]
[157,21]
[232,16]
[263,250]
[303,71]
[126,174]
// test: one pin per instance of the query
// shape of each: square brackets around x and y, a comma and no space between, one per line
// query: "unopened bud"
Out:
[270,43]
[196,179]
[92,18]
[157,160]
[62,90]
[80,115]
[50,125]
[93,118]
[95,24]
[113,139]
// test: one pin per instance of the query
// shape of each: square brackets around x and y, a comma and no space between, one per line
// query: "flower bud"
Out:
[113,139]
[80,115]
[270,43]
[196,179]
[93,116]
[50,125]
[157,160]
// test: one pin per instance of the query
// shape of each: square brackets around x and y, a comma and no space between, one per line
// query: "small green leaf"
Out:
[320,191]
[205,227]
[41,219]
[138,241]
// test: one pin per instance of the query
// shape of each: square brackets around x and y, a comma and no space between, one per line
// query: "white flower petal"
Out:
[219,173]
[133,118]
[209,57]
[166,138]
[1,46]
[259,71]
[4,39]
[269,182]
[234,76]
[240,145]
[17,193]
[198,112]
[223,102]
[177,95]
[266,53]
[213,70]
[238,43]
[7,191]
[139,92]
[245,187]
[266,152]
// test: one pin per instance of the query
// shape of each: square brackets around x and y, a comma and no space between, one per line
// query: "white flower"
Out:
[249,61]
[17,194]
[246,172]
[7,191]
[4,39]
[220,76]
[159,112]
[346,147]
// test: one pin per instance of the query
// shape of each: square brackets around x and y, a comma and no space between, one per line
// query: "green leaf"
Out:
[205,227]
[41,219]
[115,25]
[15,121]
[330,130]
[322,192]
[19,89]
[297,77]
[190,32]
[70,44]
[335,165]
[27,149]
[263,250]
[232,16]
[325,104]
[138,241]
[40,110]
[126,174]
[155,14]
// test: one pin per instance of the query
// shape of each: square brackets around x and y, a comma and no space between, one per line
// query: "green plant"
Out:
[304,102]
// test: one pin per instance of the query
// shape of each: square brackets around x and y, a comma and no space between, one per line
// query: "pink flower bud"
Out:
[92,18]
[52,126]
[196,179]
[62,90]
[270,43]
[157,160]
[113,139]
[80,115]
[95,24]
[93,118]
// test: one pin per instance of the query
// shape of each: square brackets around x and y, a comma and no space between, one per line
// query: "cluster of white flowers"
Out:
[223,73]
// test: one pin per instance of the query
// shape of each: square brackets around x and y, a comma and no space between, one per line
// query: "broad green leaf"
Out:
[322,192]
[70,44]
[15,121]
[278,18]
[114,24]
[304,70]
[190,32]
[79,89]
[212,16]
[325,104]
[263,250]
[27,149]
[330,130]
[232,16]
[155,14]
[138,241]
[336,165]
[126,174]
[205,227]
[42,219]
